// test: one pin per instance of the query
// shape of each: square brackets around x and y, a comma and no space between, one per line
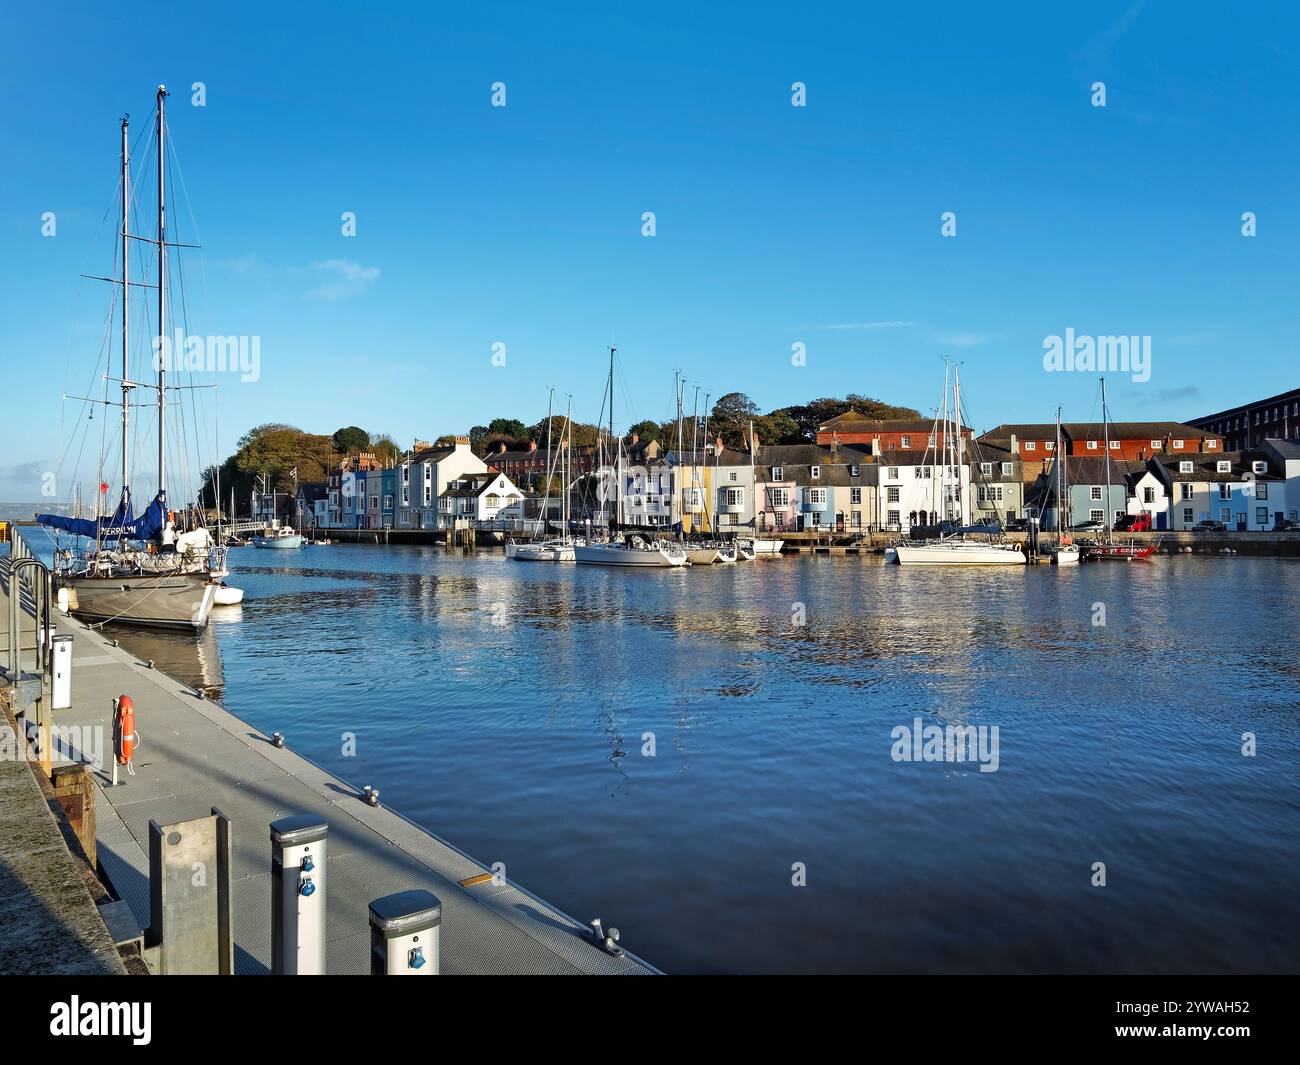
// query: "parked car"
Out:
[1090,527]
[1209,526]
[1286,525]
[1134,523]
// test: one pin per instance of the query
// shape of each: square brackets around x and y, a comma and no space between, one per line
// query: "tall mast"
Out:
[956,444]
[1107,517]
[162,293]
[126,302]
[616,449]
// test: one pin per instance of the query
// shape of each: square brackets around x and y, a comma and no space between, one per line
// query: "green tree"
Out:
[731,417]
[351,439]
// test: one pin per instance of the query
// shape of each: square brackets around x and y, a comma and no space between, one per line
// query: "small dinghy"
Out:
[224,595]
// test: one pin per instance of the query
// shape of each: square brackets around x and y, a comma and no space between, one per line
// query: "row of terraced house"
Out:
[860,474]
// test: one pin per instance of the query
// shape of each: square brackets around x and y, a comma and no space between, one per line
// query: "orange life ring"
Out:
[124,738]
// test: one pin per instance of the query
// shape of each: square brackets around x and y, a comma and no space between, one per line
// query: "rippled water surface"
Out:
[504,705]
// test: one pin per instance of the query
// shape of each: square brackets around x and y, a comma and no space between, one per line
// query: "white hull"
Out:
[636,557]
[227,596]
[543,552]
[958,553]
[283,543]
[1065,555]
[703,556]
[181,600]
[767,547]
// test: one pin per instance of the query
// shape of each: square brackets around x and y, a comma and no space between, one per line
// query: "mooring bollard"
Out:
[298,895]
[404,934]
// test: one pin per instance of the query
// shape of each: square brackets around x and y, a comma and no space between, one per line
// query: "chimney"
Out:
[835,444]
[753,441]
[875,444]
[532,446]
[501,447]
[636,438]
[1015,445]
[462,441]
[719,446]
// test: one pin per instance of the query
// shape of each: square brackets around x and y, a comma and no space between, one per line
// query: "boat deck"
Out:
[194,755]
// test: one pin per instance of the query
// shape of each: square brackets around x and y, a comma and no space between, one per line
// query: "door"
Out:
[1161,522]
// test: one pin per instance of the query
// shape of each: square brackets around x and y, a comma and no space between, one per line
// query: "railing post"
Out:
[405,933]
[298,895]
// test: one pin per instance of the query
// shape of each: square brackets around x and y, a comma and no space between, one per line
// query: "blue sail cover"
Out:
[120,526]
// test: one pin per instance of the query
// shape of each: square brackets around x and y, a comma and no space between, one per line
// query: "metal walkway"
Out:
[194,755]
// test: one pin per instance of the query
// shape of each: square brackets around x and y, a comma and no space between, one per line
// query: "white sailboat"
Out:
[634,551]
[151,576]
[558,548]
[957,549]
[1063,550]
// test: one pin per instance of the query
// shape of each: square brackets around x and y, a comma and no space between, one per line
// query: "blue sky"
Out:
[776,225]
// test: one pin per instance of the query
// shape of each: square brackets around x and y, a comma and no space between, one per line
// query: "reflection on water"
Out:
[192,658]
[509,707]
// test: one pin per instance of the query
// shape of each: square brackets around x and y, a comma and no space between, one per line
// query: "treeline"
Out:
[267,456]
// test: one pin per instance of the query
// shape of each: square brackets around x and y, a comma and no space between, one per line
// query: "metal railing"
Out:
[29,583]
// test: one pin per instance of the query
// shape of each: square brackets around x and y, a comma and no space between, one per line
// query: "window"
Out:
[853,471]
[1261,490]
[893,473]
[1178,445]
[1050,445]
[1223,467]
[815,472]
[1261,515]
[778,474]
[930,441]
[1225,491]
[1031,445]
[907,441]
[817,496]
[1186,490]
[1155,445]
[732,476]
[1259,467]
[892,517]
[1225,515]
[893,494]
[406,474]
[855,496]
[1006,469]
[1148,495]
[1188,515]
[736,497]
[857,519]
[920,472]
[1093,445]
[1184,467]
[1096,515]
[778,497]
[1114,445]
[923,472]
[1094,492]
[388,502]
[986,468]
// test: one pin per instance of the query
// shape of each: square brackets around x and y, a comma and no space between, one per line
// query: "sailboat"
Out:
[151,576]
[634,551]
[957,549]
[1107,548]
[758,545]
[559,548]
[1063,551]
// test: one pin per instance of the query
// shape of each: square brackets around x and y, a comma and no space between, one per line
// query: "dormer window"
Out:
[986,468]
[1210,445]
[1031,445]
[907,441]
[1093,445]
[1184,467]
[1259,467]
[778,474]
[1223,467]
[853,471]
[1178,445]
[815,472]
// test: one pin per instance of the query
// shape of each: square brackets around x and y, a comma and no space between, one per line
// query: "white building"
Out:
[916,490]
[425,476]
[1245,490]
[479,497]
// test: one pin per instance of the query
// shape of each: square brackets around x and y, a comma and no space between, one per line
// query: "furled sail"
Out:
[119,526]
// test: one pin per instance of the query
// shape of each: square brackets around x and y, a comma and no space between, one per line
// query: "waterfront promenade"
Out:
[194,755]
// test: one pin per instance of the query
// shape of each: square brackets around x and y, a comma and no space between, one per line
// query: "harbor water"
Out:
[709,759]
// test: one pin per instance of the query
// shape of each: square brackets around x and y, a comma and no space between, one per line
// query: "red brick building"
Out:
[1130,441]
[915,434]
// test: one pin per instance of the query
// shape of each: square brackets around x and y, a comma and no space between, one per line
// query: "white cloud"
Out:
[962,340]
[348,278]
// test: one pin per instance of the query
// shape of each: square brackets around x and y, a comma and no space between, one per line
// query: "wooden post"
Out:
[74,789]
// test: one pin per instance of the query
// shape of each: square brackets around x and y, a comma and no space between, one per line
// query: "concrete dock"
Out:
[194,756]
